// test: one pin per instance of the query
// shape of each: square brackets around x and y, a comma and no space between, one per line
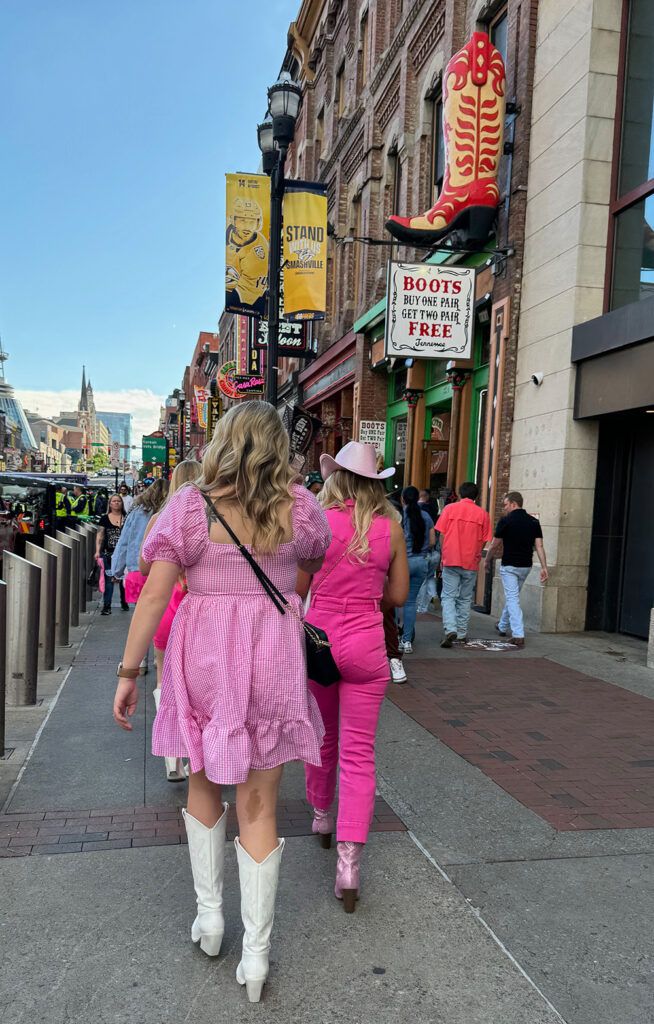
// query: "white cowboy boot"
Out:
[176,770]
[258,892]
[206,847]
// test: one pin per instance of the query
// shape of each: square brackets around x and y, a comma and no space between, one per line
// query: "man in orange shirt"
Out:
[464,529]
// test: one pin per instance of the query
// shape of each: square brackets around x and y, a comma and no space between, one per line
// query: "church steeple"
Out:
[83,401]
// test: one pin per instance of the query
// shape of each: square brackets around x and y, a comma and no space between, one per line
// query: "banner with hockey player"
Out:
[246,252]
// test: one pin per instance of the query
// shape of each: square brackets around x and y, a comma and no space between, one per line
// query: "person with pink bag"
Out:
[185,472]
[366,566]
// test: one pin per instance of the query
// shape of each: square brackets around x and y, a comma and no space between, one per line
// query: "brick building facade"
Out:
[370,128]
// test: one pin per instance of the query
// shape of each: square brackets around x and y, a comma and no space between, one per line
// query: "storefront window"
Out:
[399,385]
[399,450]
[481,434]
[631,237]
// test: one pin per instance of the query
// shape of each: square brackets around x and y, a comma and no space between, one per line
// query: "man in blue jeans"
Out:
[464,529]
[519,534]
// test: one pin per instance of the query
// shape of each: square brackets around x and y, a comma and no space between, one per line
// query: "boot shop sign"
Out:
[430,311]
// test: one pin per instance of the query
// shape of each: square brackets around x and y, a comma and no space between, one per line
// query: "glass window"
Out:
[397,183]
[633,255]
[637,143]
[340,90]
[399,385]
[320,131]
[481,435]
[438,145]
[399,450]
[499,33]
[364,49]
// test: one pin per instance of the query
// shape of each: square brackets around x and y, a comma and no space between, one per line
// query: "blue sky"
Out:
[118,122]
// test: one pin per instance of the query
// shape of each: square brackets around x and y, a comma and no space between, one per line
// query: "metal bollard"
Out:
[47,563]
[63,555]
[80,539]
[70,543]
[23,598]
[3,655]
[89,533]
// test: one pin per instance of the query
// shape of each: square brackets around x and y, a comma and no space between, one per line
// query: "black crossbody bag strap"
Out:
[274,594]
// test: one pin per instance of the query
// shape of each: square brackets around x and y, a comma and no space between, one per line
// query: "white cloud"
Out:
[143,404]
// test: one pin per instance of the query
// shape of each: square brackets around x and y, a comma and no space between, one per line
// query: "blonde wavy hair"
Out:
[185,472]
[248,460]
[369,497]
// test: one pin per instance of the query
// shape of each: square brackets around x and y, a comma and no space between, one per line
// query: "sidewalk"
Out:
[487,910]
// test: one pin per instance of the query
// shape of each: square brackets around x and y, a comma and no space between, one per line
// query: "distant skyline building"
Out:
[120,425]
[12,409]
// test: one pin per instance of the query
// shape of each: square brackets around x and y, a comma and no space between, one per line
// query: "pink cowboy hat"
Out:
[357,458]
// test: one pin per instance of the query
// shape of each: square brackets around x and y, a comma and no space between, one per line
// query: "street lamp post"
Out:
[275,134]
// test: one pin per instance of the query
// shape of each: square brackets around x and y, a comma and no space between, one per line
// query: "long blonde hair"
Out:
[248,459]
[184,473]
[369,497]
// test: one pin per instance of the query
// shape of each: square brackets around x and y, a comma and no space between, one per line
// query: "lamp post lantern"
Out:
[275,134]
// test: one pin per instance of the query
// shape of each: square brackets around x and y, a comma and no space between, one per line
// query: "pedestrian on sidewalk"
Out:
[366,565]
[110,528]
[126,495]
[519,533]
[420,539]
[464,529]
[125,560]
[185,472]
[234,694]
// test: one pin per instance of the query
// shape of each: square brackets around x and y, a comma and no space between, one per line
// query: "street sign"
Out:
[115,454]
[155,450]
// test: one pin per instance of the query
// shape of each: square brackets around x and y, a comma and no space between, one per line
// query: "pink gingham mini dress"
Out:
[234,692]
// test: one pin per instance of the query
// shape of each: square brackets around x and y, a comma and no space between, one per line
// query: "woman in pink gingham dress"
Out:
[234,694]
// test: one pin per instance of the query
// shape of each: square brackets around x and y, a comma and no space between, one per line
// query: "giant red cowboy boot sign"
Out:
[473,124]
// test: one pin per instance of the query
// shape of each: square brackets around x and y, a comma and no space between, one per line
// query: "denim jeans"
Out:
[418,569]
[456,598]
[109,583]
[513,578]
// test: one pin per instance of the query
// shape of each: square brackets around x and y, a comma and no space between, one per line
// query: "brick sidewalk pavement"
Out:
[47,832]
[577,751]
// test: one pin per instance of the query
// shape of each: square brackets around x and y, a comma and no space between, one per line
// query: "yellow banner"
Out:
[246,244]
[305,255]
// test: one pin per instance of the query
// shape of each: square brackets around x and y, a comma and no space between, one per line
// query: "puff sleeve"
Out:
[181,533]
[311,532]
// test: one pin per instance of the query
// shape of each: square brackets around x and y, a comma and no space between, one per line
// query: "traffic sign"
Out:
[115,454]
[155,450]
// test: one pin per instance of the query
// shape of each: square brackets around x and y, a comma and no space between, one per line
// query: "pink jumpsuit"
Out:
[347,606]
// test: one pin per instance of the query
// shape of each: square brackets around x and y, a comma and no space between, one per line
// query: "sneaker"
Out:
[406,647]
[462,639]
[517,641]
[106,611]
[498,630]
[448,639]
[398,675]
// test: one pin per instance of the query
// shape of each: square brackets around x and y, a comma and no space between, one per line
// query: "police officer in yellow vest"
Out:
[62,504]
[79,506]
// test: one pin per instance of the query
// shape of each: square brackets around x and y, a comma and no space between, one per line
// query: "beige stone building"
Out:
[583,444]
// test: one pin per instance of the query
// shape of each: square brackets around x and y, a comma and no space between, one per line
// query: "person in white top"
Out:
[128,500]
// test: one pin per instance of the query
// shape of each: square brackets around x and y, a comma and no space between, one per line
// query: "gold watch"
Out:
[126,673]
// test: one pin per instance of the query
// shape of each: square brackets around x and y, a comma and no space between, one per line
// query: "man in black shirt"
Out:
[428,504]
[519,533]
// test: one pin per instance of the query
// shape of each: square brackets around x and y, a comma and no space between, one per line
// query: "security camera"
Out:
[537,379]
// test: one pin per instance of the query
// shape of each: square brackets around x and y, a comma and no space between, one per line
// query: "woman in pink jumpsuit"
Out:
[365,566]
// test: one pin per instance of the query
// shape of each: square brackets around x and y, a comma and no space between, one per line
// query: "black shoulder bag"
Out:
[321,666]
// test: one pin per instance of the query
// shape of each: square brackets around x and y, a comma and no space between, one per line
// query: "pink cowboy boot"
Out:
[347,874]
[323,826]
